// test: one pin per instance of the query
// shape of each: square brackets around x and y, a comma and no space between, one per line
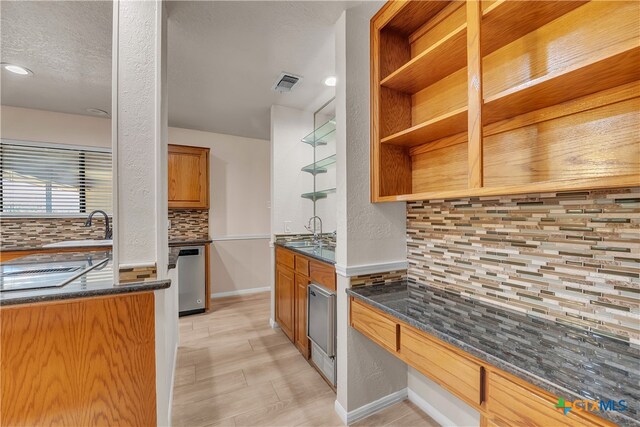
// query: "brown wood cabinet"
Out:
[82,362]
[294,272]
[474,98]
[188,177]
[301,340]
[502,399]
[285,300]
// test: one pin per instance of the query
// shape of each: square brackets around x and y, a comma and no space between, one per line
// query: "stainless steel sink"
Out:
[300,245]
[20,277]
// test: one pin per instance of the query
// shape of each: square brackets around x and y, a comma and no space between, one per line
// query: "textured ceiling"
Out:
[67,45]
[223,58]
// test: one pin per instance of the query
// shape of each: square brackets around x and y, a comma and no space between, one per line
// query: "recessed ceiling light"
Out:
[16,69]
[97,112]
[330,81]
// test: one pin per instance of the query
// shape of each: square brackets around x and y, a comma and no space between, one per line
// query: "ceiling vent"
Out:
[286,82]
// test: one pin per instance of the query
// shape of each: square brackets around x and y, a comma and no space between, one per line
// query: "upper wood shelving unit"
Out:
[503,97]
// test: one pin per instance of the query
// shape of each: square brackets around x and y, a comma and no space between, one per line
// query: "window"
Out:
[47,179]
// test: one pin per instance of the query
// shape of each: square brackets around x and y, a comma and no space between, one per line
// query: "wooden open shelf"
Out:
[501,29]
[442,126]
[615,69]
[504,97]
[440,60]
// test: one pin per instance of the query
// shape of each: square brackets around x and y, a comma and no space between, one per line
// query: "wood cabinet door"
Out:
[188,177]
[285,304]
[301,341]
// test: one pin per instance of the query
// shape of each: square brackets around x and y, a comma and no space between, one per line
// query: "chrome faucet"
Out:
[316,238]
[107,231]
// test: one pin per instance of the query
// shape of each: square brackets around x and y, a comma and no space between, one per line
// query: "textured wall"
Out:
[139,140]
[572,257]
[288,182]
[23,233]
[367,233]
[25,124]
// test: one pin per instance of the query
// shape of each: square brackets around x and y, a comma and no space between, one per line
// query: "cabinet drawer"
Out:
[302,265]
[285,257]
[448,368]
[374,325]
[511,404]
[323,274]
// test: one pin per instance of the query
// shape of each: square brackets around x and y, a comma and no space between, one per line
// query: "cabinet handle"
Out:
[483,385]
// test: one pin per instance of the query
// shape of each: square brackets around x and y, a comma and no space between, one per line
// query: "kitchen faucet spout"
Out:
[108,232]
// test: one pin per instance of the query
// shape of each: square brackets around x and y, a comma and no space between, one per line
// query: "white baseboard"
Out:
[274,324]
[342,413]
[240,292]
[370,408]
[430,410]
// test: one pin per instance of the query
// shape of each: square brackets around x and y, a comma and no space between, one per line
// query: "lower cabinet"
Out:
[501,398]
[294,272]
[79,362]
[301,340]
[285,301]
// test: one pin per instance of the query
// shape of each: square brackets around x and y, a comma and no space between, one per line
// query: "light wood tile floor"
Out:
[234,370]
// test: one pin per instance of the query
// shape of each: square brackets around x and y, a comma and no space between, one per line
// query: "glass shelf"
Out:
[322,194]
[320,166]
[321,135]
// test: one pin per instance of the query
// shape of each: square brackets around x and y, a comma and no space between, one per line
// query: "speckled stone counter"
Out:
[174,252]
[96,282]
[567,361]
[324,253]
[189,242]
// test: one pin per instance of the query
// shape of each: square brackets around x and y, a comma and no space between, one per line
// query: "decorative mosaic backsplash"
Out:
[26,233]
[189,224]
[378,278]
[138,274]
[570,257]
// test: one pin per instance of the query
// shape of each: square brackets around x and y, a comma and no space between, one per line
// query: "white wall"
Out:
[239,213]
[367,234]
[288,155]
[139,152]
[441,405]
[25,124]
[166,323]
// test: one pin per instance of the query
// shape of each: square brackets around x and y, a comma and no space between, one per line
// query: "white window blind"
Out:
[48,180]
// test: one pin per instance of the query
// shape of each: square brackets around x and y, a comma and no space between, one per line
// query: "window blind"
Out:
[41,179]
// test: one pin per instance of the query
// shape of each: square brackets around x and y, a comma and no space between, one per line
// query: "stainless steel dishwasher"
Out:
[321,329]
[191,280]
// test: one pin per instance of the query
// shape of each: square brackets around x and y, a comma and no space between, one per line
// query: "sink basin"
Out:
[300,244]
[20,277]
[79,243]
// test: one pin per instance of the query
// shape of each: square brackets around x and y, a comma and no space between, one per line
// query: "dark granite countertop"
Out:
[190,242]
[564,360]
[324,253]
[97,282]
[174,251]
[50,249]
